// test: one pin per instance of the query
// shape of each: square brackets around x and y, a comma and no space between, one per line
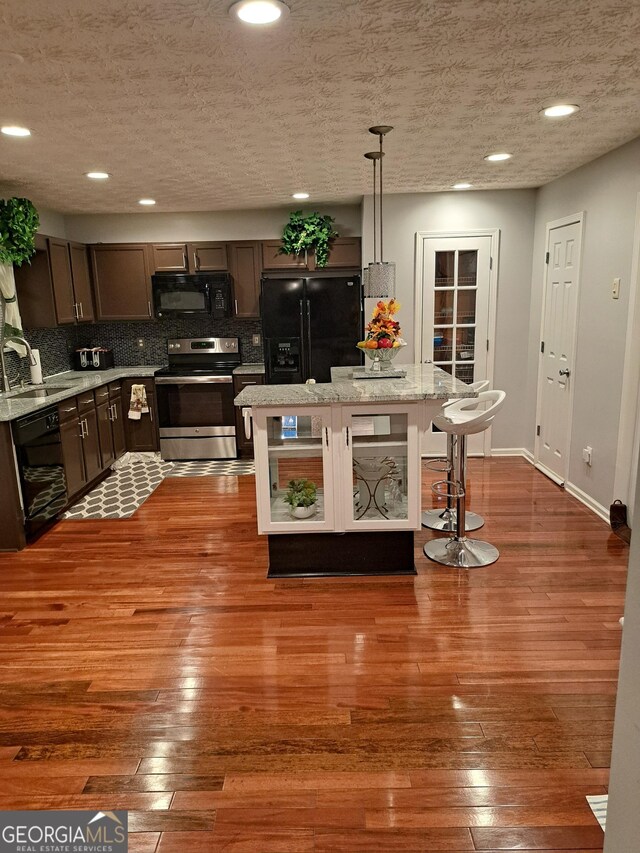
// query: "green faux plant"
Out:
[19,222]
[301,493]
[313,231]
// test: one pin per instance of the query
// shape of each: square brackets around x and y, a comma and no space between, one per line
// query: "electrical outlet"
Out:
[256,340]
[586,454]
[140,343]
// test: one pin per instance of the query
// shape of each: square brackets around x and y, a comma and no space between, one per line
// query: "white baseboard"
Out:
[588,501]
[512,451]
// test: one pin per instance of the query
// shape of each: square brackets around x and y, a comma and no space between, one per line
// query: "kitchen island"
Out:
[358,443]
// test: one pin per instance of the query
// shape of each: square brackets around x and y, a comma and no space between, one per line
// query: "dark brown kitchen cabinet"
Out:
[80,438]
[81,282]
[117,419]
[189,257]
[105,434]
[142,435]
[105,431]
[244,444]
[169,257]
[207,257]
[72,454]
[244,266]
[344,253]
[91,444]
[62,281]
[35,289]
[272,260]
[122,281]
[55,288]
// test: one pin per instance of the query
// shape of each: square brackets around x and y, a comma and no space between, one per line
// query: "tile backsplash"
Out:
[56,345]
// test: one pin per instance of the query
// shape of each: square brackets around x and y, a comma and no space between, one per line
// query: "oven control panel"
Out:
[185,346]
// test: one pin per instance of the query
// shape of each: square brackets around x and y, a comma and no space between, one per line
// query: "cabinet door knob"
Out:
[564,372]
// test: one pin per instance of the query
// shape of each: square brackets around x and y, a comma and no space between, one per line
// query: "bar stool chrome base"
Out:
[445,520]
[461,553]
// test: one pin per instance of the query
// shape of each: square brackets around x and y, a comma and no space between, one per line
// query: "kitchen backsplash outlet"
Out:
[57,345]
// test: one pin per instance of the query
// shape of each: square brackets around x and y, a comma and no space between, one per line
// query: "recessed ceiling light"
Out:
[259,11]
[300,195]
[463,185]
[497,156]
[559,110]
[97,176]
[147,201]
[13,130]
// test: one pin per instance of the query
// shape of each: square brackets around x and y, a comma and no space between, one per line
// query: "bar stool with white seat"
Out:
[462,418]
[445,519]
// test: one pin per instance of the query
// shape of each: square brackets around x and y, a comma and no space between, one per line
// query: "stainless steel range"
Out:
[195,399]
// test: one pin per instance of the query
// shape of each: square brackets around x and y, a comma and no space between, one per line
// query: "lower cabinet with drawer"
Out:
[142,434]
[80,442]
[245,445]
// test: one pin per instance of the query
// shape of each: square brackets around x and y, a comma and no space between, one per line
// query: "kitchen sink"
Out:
[38,392]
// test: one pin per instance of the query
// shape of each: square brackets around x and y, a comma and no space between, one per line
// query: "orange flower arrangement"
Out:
[383,332]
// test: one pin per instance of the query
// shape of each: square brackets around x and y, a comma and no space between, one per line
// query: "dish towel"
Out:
[138,405]
[10,311]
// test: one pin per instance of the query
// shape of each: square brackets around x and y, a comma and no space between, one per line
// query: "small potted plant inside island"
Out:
[301,497]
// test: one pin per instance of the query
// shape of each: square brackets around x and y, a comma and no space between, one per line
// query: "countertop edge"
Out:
[78,381]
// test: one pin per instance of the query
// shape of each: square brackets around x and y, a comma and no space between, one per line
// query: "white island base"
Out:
[359,443]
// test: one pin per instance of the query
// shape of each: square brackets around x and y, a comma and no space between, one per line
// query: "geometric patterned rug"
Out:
[127,488]
[120,495]
[213,468]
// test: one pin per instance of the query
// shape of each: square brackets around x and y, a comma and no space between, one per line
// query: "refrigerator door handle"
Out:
[310,348]
[303,348]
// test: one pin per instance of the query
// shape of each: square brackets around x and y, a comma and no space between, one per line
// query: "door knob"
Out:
[564,372]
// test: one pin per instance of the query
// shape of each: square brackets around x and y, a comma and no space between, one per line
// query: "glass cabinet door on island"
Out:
[294,475]
[381,479]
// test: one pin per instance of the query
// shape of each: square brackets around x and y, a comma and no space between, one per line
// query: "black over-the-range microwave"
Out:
[192,295]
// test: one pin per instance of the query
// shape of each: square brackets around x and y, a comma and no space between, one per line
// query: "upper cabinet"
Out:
[189,257]
[122,281]
[79,258]
[344,253]
[55,288]
[273,260]
[244,266]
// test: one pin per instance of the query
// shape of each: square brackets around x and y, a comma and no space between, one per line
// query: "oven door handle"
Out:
[194,380]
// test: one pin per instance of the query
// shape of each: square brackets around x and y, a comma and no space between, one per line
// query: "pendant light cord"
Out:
[381,244]
[375,225]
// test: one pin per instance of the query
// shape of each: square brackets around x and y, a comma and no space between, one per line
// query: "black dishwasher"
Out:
[41,468]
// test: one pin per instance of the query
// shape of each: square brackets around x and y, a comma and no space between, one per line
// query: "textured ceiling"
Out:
[182,103]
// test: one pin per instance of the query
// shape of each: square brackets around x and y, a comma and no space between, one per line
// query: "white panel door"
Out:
[456,280]
[557,350]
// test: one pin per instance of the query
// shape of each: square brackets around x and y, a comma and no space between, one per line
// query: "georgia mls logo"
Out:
[63,832]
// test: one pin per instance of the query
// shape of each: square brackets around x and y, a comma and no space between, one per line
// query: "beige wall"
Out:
[512,212]
[218,225]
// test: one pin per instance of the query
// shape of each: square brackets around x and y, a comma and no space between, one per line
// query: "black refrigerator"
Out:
[310,324]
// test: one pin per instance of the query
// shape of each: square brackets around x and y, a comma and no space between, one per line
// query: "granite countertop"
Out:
[249,369]
[71,382]
[422,382]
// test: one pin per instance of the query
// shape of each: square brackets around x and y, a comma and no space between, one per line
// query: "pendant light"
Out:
[380,275]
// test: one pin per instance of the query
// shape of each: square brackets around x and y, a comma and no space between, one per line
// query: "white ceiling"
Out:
[182,103]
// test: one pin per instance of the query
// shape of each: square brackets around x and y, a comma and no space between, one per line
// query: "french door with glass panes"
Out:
[456,275]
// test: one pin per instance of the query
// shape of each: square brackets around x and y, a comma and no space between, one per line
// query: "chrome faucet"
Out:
[6,384]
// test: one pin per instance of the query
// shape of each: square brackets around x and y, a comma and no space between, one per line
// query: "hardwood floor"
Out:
[148,664]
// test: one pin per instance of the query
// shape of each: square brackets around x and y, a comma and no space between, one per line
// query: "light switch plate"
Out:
[615,289]
[256,340]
